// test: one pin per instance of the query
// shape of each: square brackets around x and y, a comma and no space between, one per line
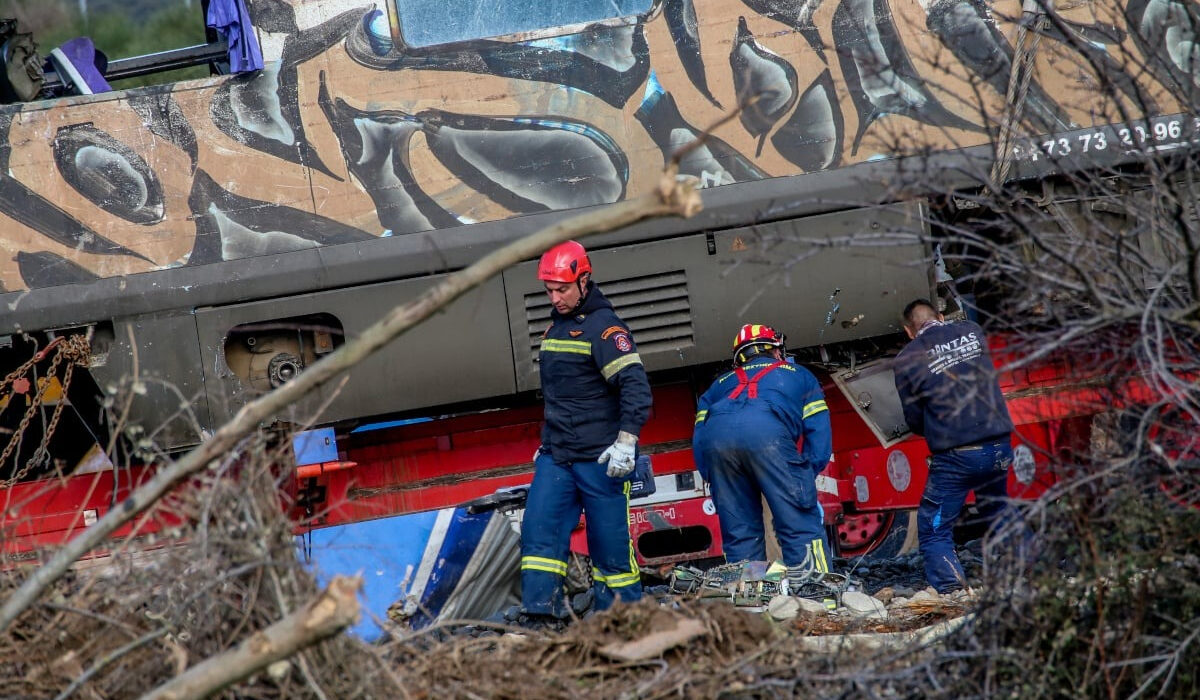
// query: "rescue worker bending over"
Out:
[597,398]
[744,443]
[948,388]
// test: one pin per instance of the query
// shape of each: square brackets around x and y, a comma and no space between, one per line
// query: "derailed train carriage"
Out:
[174,251]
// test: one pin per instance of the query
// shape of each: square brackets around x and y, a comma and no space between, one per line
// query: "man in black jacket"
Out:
[948,388]
[597,398]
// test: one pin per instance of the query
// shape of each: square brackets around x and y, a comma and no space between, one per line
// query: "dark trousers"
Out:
[560,492]
[749,459]
[952,475]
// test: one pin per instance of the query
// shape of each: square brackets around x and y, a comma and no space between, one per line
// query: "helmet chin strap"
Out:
[582,282]
[750,353]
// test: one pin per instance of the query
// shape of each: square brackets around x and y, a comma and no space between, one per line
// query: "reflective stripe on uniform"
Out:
[579,347]
[819,561]
[619,364]
[622,580]
[814,408]
[701,415]
[617,580]
[625,578]
[633,567]
[553,566]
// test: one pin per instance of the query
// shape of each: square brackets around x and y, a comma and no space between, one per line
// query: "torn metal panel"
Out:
[871,390]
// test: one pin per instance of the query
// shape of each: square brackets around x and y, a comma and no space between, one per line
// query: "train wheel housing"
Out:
[876,535]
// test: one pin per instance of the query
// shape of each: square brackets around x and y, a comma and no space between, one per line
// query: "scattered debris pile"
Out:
[694,647]
[127,628]
[698,635]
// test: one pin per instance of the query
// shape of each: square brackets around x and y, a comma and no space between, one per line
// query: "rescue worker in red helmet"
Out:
[597,397]
[744,444]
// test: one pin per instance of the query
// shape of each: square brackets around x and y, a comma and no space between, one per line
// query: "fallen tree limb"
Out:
[672,197]
[332,611]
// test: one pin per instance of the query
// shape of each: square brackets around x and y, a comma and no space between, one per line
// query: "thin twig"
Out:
[108,659]
[129,631]
[328,614]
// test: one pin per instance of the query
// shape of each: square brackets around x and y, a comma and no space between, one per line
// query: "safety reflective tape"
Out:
[579,347]
[546,569]
[633,565]
[616,580]
[623,580]
[553,566]
[619,364]
[822,564]
[814,408]
[701,415]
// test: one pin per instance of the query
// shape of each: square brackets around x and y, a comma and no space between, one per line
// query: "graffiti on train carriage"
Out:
[357,128]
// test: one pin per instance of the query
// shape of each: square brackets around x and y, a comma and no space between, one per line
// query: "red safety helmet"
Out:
[752,335]
[565,262]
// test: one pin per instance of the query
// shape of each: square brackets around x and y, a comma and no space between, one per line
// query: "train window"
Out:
[430,22]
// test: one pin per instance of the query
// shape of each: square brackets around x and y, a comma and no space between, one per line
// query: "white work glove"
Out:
[621,455]
[537,453]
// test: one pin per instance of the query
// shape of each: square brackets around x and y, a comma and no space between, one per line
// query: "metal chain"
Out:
[77,351]
[38,395]
[37,357]
[58,409]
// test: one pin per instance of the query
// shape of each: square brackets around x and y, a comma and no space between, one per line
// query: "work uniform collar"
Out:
[594,301]
[931,323]
[758,359]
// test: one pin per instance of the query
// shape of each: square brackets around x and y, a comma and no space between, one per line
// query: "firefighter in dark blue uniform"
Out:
[948,388]
[597,397]
[744,444]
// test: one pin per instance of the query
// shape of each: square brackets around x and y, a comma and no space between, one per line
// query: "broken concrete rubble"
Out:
[863,605]
[812,607]
[783,607]
[827,604]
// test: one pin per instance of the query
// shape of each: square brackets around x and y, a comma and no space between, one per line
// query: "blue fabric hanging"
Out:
[232,21]
[80,66]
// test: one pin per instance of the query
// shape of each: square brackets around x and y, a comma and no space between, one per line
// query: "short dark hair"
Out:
[911,310]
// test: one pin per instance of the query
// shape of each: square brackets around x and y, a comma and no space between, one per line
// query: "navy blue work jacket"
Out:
[948,388]
[593,381]
[787,396]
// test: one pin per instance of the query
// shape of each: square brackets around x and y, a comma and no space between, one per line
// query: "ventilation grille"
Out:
[655,307]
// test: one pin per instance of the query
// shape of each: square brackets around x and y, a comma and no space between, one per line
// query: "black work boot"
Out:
[541,623]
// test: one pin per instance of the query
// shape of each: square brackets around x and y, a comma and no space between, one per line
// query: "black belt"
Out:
[990,442]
